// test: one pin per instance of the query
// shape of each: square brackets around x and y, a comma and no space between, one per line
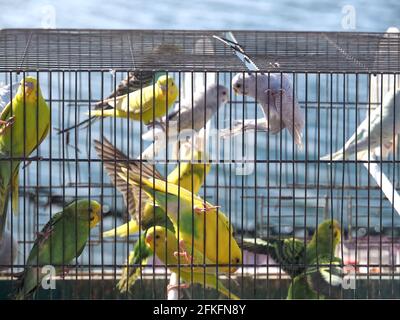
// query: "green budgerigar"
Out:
[26,122]
[313,267]
[61,240]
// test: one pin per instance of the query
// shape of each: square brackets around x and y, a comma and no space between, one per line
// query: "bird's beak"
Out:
[29,86]
[235,89]
[163,87]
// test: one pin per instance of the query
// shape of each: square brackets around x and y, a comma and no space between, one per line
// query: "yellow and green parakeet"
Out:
[27,119]
[164,243]
[197,222]
[61,240]
[310,266]
[147,104]
[187,174]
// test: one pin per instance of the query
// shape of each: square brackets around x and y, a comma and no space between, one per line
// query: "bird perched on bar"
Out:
[379,129]
[135,81]
[24,124]
[194,112]
[274,93]
[60,241]
[165,244]
[189,117]
[148,104]
[312,267]
[192,217]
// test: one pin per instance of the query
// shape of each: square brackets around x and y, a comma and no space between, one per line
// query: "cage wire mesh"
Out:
[266,185]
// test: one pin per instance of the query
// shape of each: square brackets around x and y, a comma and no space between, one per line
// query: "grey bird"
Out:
[274,93]
[193,112]
[192,115]
[205,104]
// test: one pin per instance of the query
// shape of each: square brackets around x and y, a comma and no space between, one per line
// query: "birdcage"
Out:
[281,101]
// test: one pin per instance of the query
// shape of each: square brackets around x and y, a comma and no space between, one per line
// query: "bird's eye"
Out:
[91,218]
[157,236]
[224,93]
[238,85]
[237,260]
[330,226]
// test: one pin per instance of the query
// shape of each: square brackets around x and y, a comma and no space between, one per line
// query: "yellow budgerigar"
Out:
[197,223]
[165,245]
[150,103]
[26,123]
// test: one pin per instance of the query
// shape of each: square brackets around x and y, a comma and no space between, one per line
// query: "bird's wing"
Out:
[287,106]
[113,161]
[289,253]
[326,277]
[47,229]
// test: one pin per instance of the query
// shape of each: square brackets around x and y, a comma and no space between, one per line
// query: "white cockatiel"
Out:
[379,129]
[274,93]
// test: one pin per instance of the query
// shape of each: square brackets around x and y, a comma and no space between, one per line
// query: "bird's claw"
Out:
[177,286]
[30,161]
[274,92]
[6,124]
[183,252]
[156,123]
[43,236]
[205,208]
[66,271]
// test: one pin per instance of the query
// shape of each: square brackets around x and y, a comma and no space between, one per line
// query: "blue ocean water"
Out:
[286,194]
[207,14]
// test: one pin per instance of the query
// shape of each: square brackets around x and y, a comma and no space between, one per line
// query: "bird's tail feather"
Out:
[258,246]
[124,230]
[84,122]
[338,155]
[213,281]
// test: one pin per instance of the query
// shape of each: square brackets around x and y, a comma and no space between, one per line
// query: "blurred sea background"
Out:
[288,198]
